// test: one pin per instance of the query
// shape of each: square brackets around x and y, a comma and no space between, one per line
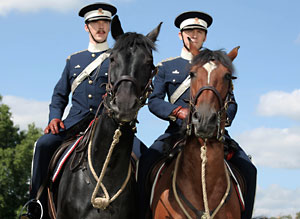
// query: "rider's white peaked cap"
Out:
[193,20]
[97,11]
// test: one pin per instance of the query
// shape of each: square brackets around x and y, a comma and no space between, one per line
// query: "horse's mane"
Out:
[133,40]
[207,55]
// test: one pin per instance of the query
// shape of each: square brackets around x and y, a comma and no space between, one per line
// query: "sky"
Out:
[37,37]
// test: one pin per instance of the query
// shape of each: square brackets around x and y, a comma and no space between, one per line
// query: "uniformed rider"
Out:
[171,81]
[84,74]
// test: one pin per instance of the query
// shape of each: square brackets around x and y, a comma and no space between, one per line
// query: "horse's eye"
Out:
[192,74]
[228,76]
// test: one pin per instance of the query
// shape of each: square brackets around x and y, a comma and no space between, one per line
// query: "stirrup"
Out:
[33,204]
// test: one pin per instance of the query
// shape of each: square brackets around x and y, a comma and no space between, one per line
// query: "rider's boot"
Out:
[34,210]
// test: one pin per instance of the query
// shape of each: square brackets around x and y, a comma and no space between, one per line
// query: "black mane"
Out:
[207,55]
[133,40]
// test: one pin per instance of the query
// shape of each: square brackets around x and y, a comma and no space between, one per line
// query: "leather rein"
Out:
[223,107]
[220,132]
[111,88]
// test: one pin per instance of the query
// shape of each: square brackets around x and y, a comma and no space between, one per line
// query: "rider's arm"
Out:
[157,104]
[60,97]
[231,110]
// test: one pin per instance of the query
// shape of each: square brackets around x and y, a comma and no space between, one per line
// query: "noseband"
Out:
[223,105]
[111,89]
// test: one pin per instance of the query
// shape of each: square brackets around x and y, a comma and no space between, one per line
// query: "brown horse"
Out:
[196,184]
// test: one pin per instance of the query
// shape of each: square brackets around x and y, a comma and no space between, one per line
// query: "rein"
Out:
[209,67]
[223,105]
[143,95]
[206,214]
[103,202]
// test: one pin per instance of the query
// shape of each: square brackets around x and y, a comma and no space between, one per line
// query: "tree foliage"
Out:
[16,149]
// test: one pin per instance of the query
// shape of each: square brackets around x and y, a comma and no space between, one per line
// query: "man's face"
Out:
[99,29]
[198,37]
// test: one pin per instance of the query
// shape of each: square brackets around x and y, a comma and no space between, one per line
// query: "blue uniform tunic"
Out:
[171,73]
[85,101]
[87,96]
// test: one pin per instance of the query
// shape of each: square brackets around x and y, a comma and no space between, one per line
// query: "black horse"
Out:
[104,185]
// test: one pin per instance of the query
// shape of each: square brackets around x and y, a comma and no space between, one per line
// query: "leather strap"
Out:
[180,90]
[88,70]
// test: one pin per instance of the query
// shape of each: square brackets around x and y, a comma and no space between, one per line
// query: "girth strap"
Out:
[198,213]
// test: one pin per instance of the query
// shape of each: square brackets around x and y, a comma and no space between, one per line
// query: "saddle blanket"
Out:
[236,183]
[64,158]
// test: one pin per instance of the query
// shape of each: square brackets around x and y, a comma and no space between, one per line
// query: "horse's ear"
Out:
[154,33]
[116,28]
[193,48]
[233,53]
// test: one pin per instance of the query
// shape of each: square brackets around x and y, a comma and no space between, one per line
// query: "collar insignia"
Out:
[77,66]
[175,72]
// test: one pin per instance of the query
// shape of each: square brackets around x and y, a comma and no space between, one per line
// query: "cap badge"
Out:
[100,11]
[197,20]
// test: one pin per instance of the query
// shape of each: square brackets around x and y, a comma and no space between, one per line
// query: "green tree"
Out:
[286,217]
[15,163]
[8,132]
[297,215]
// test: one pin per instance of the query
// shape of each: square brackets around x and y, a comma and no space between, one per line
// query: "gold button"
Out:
[91,109]
[74,74]
[174,80]
[90,96]
[93,55]
[90,81]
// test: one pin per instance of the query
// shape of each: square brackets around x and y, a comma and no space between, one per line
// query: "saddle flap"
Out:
[239,182]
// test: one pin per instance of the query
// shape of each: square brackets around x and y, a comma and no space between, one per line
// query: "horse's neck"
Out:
[191,166]
[102,141]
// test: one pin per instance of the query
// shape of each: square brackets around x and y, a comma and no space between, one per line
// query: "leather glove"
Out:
[54,126]
[180,112]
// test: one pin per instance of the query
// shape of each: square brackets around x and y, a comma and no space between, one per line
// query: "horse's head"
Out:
[130,72]
[211,83]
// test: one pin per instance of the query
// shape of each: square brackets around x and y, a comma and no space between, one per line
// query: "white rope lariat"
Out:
[103,202]
[206,214]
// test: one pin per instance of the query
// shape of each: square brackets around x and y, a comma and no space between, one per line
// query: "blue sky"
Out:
[37,37]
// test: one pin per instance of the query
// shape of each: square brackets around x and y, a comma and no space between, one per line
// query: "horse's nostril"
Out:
[196,115]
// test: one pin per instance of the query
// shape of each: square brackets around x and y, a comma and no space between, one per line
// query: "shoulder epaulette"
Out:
[166,60]
[76,53]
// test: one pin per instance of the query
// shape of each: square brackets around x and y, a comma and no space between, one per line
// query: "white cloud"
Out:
[27,111]
[36,5]
[272,147]
[275,201]
[279,103]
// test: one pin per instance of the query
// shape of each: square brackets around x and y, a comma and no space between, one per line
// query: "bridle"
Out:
[111,89]
[222,103]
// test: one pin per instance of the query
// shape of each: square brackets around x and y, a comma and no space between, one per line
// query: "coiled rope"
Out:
[103,202]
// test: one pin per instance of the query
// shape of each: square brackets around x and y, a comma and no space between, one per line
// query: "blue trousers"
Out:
[155,152]
[45,147]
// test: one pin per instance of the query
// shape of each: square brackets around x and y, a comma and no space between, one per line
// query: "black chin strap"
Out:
[87,24]
[181,31]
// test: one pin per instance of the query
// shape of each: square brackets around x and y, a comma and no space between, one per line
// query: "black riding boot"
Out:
[34,210]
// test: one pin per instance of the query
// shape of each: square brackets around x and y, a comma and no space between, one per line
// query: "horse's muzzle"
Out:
[204,123]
